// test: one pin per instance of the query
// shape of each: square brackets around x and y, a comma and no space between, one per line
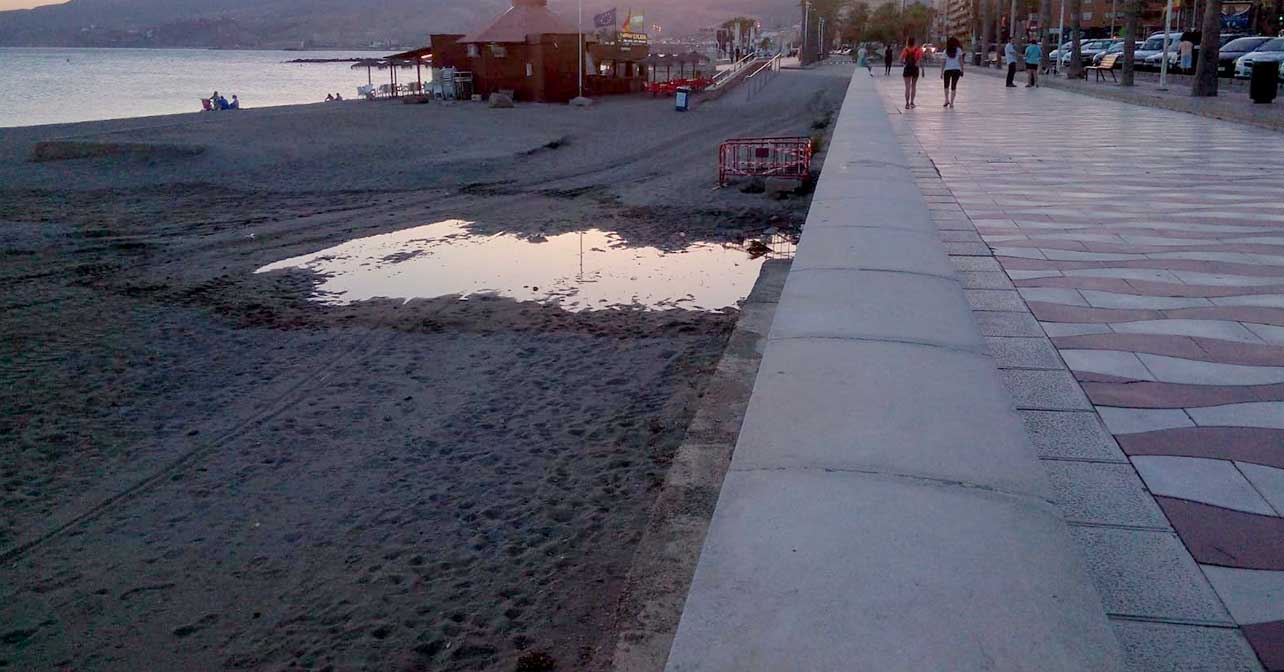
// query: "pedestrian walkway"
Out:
[1148,247]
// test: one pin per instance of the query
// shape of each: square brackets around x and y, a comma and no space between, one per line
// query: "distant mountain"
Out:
[321,23]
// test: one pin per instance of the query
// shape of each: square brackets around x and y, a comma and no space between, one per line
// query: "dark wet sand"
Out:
[205,470]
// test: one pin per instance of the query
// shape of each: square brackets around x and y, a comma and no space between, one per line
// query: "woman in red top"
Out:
[911,55]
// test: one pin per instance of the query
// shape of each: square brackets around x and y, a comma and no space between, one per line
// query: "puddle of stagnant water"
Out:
[586,270]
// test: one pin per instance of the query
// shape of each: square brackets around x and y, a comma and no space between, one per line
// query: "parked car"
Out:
[1088,49]
[1174,56]
[1152,46]
[1116,48]
[1231,51]
[1272,50]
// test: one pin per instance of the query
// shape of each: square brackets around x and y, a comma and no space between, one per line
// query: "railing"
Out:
[788,158]
[729,75]
[760,77]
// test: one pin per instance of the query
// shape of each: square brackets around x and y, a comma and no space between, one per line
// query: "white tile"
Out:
[1031,275]
[1267,332]
[1225,279]
[1223,329]
[1194,372]
[1268,480]
[1266,300]
[1251,595]
[1135,420]
[1109,362]
[1215,482]
[1061,295]
[1266,414]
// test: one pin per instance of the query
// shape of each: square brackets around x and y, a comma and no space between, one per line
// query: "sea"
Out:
[56,85]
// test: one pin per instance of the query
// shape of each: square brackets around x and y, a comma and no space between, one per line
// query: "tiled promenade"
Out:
[1149,247]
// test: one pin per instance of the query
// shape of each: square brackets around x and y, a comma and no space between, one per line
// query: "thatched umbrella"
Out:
[695,58]
[368,64]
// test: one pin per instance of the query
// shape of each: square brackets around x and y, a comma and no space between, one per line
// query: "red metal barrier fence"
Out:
[789,158]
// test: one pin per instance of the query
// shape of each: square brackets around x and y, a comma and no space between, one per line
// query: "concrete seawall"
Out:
[884,509]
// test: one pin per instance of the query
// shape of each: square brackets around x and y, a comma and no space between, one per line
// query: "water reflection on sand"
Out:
[588,270]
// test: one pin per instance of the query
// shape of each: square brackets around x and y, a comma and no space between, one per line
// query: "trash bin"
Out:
[1265,81]
[682,99]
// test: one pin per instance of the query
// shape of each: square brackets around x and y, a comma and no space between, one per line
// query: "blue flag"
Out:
[605,19]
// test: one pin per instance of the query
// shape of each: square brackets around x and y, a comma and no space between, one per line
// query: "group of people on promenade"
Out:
[1033,54]
[912,60]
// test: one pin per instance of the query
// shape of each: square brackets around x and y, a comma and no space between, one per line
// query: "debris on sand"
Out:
[536,661]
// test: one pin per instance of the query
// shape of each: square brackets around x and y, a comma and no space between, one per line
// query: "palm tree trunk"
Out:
[1076,52]
[1045,22]
[987,30]
[1205,83]
[1133,10]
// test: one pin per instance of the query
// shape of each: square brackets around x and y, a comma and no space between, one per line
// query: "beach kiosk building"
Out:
[527,50]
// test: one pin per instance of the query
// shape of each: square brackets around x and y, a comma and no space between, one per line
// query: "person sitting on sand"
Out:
[328,97]
[214,101]
[235,104]
[222,103]
[338,96]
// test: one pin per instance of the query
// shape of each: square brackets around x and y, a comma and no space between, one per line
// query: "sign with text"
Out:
[633,39]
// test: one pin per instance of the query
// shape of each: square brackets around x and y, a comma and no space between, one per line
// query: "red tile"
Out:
[1245,444]
[1217,536]
[1155,344]
[1267,640]
[1257,314]
[1149,394]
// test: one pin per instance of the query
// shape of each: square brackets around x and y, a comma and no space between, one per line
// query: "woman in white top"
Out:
[952,70]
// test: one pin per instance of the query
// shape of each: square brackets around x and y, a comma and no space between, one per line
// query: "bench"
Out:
[1107,65]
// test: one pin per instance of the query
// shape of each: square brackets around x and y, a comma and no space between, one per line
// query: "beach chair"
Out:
[207,105]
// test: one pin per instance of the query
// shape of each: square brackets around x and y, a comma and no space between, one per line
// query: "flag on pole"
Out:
[605,19]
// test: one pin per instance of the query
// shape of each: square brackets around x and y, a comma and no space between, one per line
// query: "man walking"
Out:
[887,60]
[1033,54]
[1010,57]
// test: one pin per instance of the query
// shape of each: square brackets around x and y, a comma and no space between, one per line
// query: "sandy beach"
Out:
[205,468]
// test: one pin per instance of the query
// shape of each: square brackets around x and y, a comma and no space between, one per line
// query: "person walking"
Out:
[887,60]
[952,70]
[862,59]
[1010,58]
[1186,50]
[911,56]
[1033,54]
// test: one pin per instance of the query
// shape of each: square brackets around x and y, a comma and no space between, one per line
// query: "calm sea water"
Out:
[48,86]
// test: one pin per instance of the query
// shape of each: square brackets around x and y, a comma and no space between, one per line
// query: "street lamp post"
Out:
[579,24]
[1163,64]
[1112,17]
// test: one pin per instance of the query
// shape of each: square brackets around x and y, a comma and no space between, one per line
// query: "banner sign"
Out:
[1238,21]
[605,19]
[633,39]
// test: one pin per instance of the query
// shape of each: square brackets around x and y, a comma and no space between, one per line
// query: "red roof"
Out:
[525,17]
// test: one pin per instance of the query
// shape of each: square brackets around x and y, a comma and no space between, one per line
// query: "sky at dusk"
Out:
[26,4]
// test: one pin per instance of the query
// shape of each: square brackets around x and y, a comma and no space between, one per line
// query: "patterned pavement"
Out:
[1149,247]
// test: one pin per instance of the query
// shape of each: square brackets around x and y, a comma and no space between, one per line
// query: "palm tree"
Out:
[987,28]
[1045,20]
[1205,83]
[1133,10]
